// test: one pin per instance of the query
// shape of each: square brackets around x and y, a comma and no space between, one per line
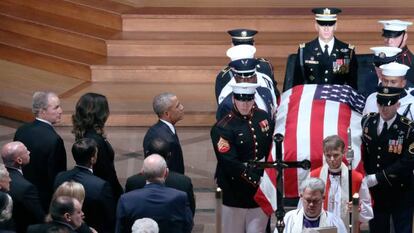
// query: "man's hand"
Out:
[371,180]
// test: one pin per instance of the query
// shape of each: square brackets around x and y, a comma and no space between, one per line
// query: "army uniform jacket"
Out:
[238,139]
[312,67]
[390,157]
[262,68]
[407,58]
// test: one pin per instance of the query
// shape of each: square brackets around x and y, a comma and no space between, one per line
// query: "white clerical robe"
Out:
[294,221]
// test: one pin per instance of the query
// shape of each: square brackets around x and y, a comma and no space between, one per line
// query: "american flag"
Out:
[306,115]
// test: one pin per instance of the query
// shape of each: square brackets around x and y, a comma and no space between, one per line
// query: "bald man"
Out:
[27,208]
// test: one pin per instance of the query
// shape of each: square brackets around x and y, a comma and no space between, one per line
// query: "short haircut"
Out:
[154,167]
[314,184]
[41,101]
[60,206]
[145,225]
[158,146]
[333,142]
[83,150]
[161,103]
[70,189]
[3,172]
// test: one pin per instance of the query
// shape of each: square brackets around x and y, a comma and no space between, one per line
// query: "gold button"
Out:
[326,72]
[256,144]
[378,165]
[241,142]
[256,150]
[250,178]
[378,157]
[253,129]
[250,122]
[254,136]
[379,148]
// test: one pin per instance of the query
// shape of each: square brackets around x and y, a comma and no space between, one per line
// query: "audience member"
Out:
[388,156]
[169,111]
[167,206]
[99,205]
[75,190]
[65,214]
[145,225]
[7,224]
[27,208]
[325,60]
[335,175]
[173,180]
[243,135]
[311,214]
[47,151]
[89,119]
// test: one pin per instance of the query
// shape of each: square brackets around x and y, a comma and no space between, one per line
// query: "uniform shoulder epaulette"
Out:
[225,119]
[407,121]
[366,117]
[225,70]
[302,45]
[350,46]
[262,59]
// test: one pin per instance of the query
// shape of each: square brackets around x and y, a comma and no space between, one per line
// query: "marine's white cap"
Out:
[241,52]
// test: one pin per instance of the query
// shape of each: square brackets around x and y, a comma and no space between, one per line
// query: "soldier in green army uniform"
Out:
[263,67]
[326,60]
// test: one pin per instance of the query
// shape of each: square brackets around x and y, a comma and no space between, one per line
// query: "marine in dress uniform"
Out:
[263,66]
[395,35]
[325,60]
[241,136]
[388,156]
[393,75]
[371,77]
[245,71]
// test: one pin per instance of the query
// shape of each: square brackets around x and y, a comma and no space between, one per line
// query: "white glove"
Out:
[371,180]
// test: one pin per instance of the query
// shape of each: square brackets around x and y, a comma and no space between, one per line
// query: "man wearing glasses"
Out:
[311,214]
[244,134]
[335,174]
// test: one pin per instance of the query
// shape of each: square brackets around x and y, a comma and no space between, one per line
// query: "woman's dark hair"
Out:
[91,113]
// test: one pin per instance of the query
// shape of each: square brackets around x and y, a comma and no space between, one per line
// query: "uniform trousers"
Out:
[243,220]
[402,220]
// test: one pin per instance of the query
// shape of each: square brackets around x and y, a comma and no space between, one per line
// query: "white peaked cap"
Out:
[241,52]
[395,25]
[244,88]
[388,51]
[394,69]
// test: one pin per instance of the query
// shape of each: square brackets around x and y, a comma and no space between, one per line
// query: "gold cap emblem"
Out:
[243,33]
[326,11]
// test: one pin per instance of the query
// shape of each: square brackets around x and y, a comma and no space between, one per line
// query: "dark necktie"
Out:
[384,129]
[325,52]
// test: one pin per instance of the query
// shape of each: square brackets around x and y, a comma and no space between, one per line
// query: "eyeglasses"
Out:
[314,202]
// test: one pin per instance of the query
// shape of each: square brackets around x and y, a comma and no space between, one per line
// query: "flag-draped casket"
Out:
[306,115]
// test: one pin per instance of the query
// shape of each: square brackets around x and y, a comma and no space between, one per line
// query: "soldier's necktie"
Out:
[325,52]
[384,129]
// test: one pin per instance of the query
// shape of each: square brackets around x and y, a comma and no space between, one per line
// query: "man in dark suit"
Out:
[27,208]
[169,111]
[173,180]
[99,204]
[388,149]
[325,60]
[66,215]
[47,151]
[167,206]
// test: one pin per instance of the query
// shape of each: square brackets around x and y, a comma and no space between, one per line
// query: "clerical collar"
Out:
[44,121]
[169,125]
[311,219]
[335,172]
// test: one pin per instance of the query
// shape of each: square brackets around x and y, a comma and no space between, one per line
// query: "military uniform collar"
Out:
[244,117]
[330,44]
[389,122]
